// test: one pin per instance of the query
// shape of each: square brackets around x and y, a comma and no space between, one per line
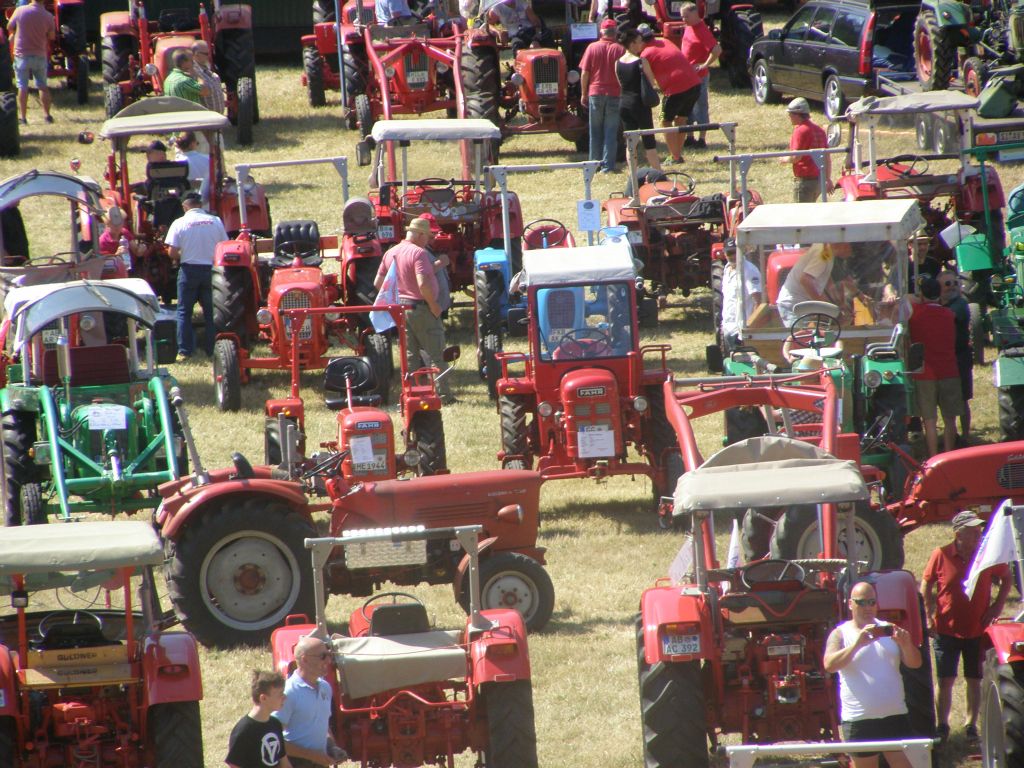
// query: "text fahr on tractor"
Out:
[155,202]
[406,693]
[87,423]
[738,650]
[467,216]
[138,54]
[101,685]
[68,55]
[574,404]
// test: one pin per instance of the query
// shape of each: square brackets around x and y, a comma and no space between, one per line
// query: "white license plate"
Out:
[416,77]
[386,232]
[380,464]
[583,31]
[50,335]
[307,327]
[547,89]
[635,237]
[679,645]
[784,650]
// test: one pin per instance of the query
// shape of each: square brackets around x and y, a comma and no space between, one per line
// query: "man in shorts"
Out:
[33,29]
[677,80]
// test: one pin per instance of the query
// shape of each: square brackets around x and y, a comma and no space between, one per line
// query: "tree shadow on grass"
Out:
[566,623]
[631,516]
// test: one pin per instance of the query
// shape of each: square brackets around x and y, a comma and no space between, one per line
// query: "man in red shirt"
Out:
[702,50]
[937,385]
[33,29]
[957,621]
[678,82]
[806,135]
[601,91]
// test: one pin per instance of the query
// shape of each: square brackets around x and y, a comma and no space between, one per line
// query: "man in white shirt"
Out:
[732,291]
[192,244]
[524,26]
[198,162]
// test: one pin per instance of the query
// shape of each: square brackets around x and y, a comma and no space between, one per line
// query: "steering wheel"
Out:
[912,170]
[380,596]
[328,464]
[769,571]
[875,434]
[575,348]
[537,225]
[54,260]
[815,330]
[292,249]
[54,619]
[434,182]
[688,184]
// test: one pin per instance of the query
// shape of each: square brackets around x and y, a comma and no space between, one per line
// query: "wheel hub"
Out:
[247,579]
[510,591]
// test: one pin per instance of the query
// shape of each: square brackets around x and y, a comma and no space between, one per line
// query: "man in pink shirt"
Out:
[33,29]
[677,80]
[702,50]
[602,94]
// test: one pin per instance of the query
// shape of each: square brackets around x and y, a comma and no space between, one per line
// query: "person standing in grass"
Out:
[33,30]
[952,299]
[701,49]
[806,135]
[602,95]
[677,80]
[257,740]
[629,70]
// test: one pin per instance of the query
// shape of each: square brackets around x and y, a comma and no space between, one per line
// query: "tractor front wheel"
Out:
[717,277]
[934,52]
[378,349]
[515,439]
[511,731]
[33,507]
[1002,713]
[177,734]
[490,346]
[876,536]
[672,711]
[113,99]
[19,433]
[237,571]
[364,115]
[313,65]
[975,76]
[273,440]
[1011,412]
[227,375]
[116,56]
[514,581]
[426,433]
[231,289]
[246,110]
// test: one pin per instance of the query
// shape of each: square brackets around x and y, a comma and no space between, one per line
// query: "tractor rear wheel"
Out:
[177,734]
[511,732]
[717,275]
[876,534]
[516,581]
[19,433]
[979,337]
[313,66]
[481,82]
[244,119]
[273,453]
[117,51]
[1011,412]
[6,70]
[975,76]
[10,137]
[490,346]
[934,52]
[82,79]
[236,571]
[113,99]
[426,433]
[355,70]
[1002,713]
[227,375]
[490,288]
[378,349]
[672,711]
[755,535]
[739,31]
[236,57]
[231,289]
[515,439]
[364,115]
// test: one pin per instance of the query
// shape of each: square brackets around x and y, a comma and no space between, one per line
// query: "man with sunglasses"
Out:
[867,652]
[958,622]
[306,712]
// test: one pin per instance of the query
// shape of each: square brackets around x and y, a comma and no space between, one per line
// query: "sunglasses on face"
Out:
[865,602]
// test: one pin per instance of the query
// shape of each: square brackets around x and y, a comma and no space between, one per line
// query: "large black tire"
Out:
[177,735]
[979,337]
[672,711]
[113,99]
[82,79]
[364,115]
[876,532]
[256,538]
[490,287]
[481,82]
[664,446]
[755,535]
[1002,714]
[246,110]
[10,137]
[235,57]
[513,580]
[514,429]
[761,84]
[72,36]
[19,433]
[512,734]
[934,52]
[33,507]
[490,346]
[273,453]
[717,273]
[355,70]
[323,11]
[744,422]
[8,740]
[313,66]
[6,69]
[1011,413]
[231,289]
[378,349]
[116,52]
[739,31]
[227,375]
[975,76]
[426,433]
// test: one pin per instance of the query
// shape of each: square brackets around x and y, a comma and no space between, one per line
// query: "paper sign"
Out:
[596,442]
[362,450]
[580,31]
[106,417]
[588,215]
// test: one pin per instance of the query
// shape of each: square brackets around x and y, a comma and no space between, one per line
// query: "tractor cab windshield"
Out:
[583,322]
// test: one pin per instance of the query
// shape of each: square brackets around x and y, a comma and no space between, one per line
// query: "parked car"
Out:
[832,50]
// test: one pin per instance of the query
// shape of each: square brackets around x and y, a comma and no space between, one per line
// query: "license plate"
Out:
[635,237]
[784,650]
[416,77]
[547,89]
[307,327]
[379,464]
[679,645]
[583,31]
[50,335]
[386,232]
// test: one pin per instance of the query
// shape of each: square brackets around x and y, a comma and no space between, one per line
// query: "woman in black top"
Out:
[630,69]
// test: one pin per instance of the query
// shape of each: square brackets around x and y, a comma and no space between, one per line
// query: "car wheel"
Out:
[762,84]
[835,100]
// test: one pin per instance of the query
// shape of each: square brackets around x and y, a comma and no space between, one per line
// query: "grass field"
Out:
[603,544]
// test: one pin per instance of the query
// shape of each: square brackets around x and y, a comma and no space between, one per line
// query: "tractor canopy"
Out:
[910,104]
[434,130]
[78,189]
[867,221]
[163,115]
[611,261]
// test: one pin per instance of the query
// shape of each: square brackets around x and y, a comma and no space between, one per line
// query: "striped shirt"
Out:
[214,100]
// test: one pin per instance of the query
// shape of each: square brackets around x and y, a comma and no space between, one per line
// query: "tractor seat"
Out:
[371,665]
[90,366]
[561,310]
[166,183]
[302,235]
[535,239]
[780,264]
[358,217]
[366,401]
[399,619]
[178,20]
[779,606]
[69,635]
[355,372]
[442,197]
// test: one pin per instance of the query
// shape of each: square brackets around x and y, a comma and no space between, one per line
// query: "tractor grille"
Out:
[416,74]
[297,300]
[545,76]
[1011,476]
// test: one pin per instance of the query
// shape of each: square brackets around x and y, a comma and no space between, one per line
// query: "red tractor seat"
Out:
[536,239]
[90,366]
[780,263]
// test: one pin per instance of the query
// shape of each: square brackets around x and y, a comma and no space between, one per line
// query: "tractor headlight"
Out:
[150,69]
[545,409]
[86,323]
[516,79]
[441,68]
[264,316]
[572,76]
[640,404]
[411,457]
[389,71]
[872,379]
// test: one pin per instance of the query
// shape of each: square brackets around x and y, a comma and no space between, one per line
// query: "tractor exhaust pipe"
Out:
[199,475]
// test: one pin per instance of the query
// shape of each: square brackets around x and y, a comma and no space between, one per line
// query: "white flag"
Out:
[735,557]
[388,294]
[682,563]
[996,547]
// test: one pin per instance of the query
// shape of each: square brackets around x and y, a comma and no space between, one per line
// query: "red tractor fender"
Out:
[170,668]
[1005,636]
[500,654]
[492,228]
[8,701]
[117,23]
[234,253]
[667,605]
[898,601]
[853,190]
[234,16]
[613,208]
[536,553]
[971,198]
[284,639]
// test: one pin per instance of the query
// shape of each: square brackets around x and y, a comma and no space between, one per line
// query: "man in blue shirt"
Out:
[393,13]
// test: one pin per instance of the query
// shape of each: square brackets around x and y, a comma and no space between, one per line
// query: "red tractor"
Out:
[97,687]
[406,693]
[154,203]
[138,55]
[738,650]
[69,57]
[583,395]
[321,68]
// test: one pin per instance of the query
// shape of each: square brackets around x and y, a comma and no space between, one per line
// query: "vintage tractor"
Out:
[138,55]
[405,693]
[582,395]
[989,33]
[68,56]
[321,68]
[154,203]
[100,686]
[738,650]
[87,421]
[467,216]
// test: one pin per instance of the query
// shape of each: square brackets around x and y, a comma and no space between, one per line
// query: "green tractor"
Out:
[87,420]
[941,29]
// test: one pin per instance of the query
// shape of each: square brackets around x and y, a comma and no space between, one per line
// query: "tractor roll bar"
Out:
[633,141]
[242,175]
[744,161]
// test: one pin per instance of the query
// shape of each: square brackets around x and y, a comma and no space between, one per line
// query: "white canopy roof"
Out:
[611,260]
[911,104]
[846,222]
[162,114]
[434,130]
[31,183]
[102,544]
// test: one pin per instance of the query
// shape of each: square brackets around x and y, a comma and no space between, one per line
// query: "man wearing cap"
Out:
[677,80]
[806,135]
[957,622]
[601,89]
[418,289]
[192,243]
[701,49]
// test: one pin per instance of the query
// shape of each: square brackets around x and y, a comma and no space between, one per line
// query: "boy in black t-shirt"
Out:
[257,741]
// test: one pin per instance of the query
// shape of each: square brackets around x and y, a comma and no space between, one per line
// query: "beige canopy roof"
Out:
[841,222]
[911,104]
[162,114]
[78,546]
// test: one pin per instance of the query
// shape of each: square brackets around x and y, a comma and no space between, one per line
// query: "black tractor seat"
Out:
[337,403]
[298,237]
[399,619]
[351,373]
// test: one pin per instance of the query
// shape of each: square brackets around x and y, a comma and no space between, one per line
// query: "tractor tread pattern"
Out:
[177,735]
[510,725]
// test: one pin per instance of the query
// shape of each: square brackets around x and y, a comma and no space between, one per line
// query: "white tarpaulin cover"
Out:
[612,260]
[911,104]
[434,130]
[847,222]
[372,665]
[98,545]
[162,114]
